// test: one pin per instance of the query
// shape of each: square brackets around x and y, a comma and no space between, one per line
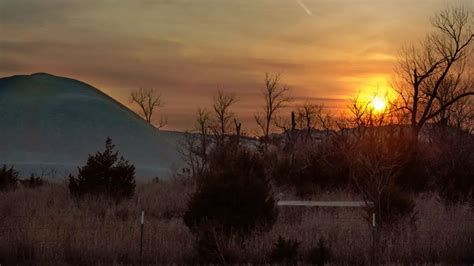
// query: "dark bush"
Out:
[308,166]
[8,178]
[233,194]
[104,175]
[32,182]
[233,199]
[454,168]
[321,254]
[395,205]
[414,174]
[285,251]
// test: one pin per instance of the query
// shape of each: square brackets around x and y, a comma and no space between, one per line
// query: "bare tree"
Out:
[203,124]
[363,115]
[210,128]
[223,115]
[275,97]
[440,62]
[375,161]
[287,125]
[306,116]
[375,152]
[148,100]
[195,147]
[311,117]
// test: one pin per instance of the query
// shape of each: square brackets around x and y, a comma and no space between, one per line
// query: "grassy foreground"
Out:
[46,226]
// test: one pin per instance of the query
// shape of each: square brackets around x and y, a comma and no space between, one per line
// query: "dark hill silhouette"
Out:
[51,122]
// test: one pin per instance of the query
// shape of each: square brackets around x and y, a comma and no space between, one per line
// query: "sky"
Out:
[326,50]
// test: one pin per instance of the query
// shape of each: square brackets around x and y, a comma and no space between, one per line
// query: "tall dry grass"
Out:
[46,226]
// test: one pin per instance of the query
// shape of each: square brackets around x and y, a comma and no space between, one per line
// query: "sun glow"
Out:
[376,94]
[378,104]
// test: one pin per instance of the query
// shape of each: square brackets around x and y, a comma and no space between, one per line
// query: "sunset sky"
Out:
[326,50]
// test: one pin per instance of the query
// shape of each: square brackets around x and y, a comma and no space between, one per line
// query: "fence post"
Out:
[142,221]
[374,239]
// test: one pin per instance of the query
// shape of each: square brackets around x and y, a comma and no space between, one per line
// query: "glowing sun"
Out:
[378,104]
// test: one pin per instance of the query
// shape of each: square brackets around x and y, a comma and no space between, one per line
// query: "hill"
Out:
[50,122]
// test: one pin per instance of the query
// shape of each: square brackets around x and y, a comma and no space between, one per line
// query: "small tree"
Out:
[148,100]
[377,151]
[310,117]
[233,198]
[222,114]
[8,178]
[306,117]
[194,147]
[104,175]
[234,193]
[275,97]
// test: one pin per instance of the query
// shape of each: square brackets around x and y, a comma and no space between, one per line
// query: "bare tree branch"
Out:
[274,95]
[148,100]
[432,74]
[223,115]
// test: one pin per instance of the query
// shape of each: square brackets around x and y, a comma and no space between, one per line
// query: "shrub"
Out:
[233,198]
[321,254]
[8,178]
[395,205]
[378,156]
[285,251]
[233,194]
[32,182]
[454,168]
[414,174]
[309,166]
[104,175]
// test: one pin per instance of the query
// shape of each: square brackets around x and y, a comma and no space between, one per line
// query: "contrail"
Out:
[306,9]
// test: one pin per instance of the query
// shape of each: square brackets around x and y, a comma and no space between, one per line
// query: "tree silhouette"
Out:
[104,175]
[234,194]
[223,115]
[8,178]
[274,95]
[195,145]
[148,100]
[233,198]
[435,75]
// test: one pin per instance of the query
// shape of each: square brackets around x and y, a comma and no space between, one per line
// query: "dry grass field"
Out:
[46,226]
